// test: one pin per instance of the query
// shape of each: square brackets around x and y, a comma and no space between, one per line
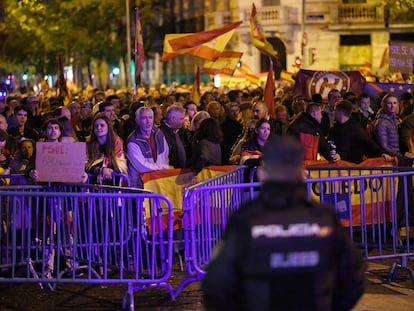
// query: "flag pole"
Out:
[128,36]
[136,52]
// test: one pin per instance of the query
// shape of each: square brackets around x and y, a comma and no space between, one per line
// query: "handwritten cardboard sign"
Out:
[60,162]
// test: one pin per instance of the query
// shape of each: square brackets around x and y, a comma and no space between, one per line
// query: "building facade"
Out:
[318,34]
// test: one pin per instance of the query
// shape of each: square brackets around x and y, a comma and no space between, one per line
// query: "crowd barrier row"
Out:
[124,235]
[375,204]
[77,233]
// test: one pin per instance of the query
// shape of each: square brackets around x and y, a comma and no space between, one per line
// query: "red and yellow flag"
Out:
[269,91]
[195,92]
[62,87]
[207,45]
[139,47]
[225,64]
[287,76]
[199,38]
[384,58]
[252,78]
[258,37]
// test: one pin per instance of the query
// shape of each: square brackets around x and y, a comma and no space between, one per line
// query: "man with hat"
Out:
[281,251]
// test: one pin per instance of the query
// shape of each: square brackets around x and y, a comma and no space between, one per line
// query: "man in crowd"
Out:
[10,146]
[147,149]
[260,110]
[108,108]
[306,128]
[232,128]
[351,139]
[281,246]
[171,126]
[22,130]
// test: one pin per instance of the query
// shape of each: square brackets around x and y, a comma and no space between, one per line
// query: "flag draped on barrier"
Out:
[172,183]
[207,45]
[258,37]
[343,195]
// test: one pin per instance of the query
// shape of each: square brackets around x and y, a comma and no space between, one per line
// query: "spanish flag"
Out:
[252,78]
[139,48]
[195,92]
[258,37]
[199,38]
[172,183]
[269,91]
[192,44]
[287,76]
[62,87]
[225,64]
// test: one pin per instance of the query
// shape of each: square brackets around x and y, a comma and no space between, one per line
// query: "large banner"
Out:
[309,82]
[356,200]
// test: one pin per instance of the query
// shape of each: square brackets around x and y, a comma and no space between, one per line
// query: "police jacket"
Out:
[282,252]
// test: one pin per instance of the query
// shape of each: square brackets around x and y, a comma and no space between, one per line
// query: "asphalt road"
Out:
[379,295]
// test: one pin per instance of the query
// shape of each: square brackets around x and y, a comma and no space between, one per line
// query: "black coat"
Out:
[231,129]
[353,142]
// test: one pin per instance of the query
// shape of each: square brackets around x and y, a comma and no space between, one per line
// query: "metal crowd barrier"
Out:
[77,233]
[374,204]
[118,179]
[205,215]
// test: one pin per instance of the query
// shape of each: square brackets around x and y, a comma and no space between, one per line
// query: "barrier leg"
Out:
[397,265]
[128,300]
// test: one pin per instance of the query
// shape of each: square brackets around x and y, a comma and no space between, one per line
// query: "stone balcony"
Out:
[359,13]
[332,14]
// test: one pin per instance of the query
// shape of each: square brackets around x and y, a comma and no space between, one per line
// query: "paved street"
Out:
[379,296]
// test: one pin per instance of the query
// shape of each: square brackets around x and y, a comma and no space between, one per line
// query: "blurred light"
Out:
[69,73]
[25,76]
[116,71]
[217,81]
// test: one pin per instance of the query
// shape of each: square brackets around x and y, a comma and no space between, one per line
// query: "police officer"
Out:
[282,251]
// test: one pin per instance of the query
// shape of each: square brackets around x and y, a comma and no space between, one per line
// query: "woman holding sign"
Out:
[105,151]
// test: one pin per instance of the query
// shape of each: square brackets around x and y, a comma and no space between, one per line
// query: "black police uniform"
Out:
[283,252]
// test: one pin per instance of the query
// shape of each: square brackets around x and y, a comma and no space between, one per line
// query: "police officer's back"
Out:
[281,251]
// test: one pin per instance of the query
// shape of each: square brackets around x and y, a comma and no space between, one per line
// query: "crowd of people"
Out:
[157,131]
[161,130]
